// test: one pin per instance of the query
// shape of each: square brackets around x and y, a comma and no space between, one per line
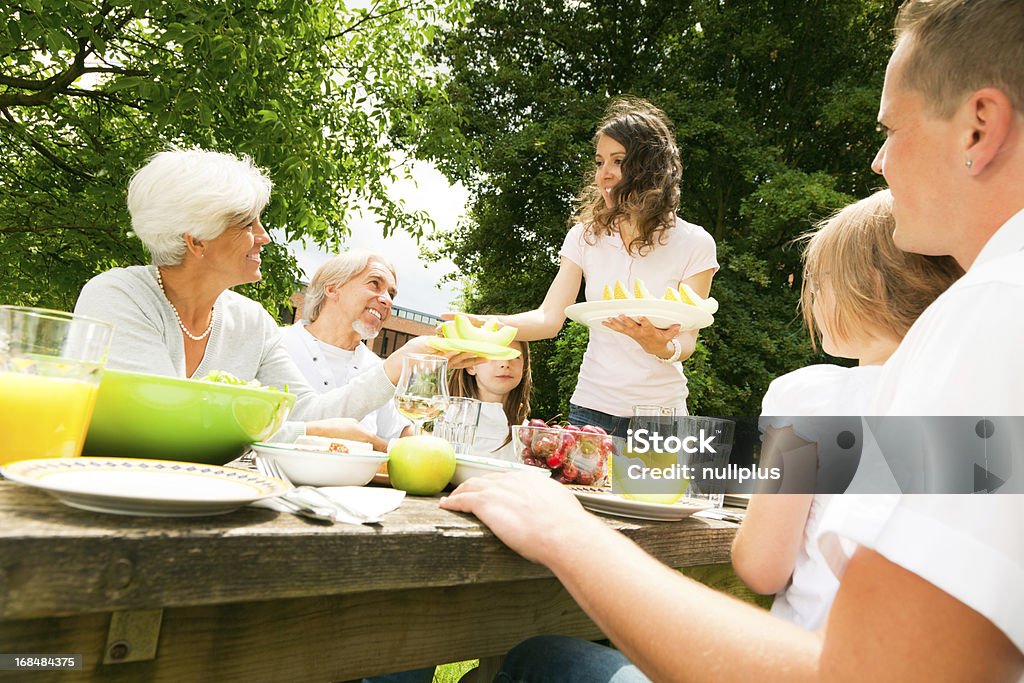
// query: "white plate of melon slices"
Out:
[683,307]
[490,341]
[661,313]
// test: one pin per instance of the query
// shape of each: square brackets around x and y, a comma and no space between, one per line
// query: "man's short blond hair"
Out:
[961,46]
[338,271]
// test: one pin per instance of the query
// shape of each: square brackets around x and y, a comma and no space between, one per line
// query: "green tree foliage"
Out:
[774,107]
[311,90]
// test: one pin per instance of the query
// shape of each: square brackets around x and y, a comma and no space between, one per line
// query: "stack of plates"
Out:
[606,502]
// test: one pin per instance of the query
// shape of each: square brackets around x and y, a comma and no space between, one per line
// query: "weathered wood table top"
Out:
[259,595]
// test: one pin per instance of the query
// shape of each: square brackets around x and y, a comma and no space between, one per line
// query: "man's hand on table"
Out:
[534,515]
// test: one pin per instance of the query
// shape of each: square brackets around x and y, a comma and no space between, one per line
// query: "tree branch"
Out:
[10,229]
[368,17]
[102,96]
[36,145]
[51,87]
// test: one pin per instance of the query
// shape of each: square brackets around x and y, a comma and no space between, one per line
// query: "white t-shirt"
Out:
[819,390]
[327,367]
[491,432]
[963,356]
[616,373]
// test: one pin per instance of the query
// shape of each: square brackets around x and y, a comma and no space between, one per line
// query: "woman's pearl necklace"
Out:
[209,328]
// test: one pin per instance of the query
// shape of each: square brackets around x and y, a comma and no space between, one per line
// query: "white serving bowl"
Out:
[468,466]
[322,469]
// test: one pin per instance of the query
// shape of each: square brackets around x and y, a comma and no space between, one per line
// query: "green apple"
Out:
[421,465]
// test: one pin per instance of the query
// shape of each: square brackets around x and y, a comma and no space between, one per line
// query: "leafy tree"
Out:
[312,91]
[774,108]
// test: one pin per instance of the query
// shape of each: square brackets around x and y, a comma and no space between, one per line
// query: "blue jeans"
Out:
[566,660]
[412,676]
[613,424]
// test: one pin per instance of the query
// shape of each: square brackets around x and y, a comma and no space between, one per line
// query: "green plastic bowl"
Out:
[139,415]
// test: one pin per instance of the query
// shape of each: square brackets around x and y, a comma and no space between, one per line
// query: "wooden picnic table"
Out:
[257,595]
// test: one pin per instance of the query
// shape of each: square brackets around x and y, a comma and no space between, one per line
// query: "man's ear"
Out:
[194,246]
[988,115]
[331,290]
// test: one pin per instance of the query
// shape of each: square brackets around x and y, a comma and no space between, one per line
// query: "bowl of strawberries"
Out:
[575,455]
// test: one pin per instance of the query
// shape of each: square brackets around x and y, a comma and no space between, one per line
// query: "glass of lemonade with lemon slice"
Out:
[50,368]
[651,469]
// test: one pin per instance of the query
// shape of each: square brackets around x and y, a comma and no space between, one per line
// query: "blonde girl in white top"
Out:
[860,295]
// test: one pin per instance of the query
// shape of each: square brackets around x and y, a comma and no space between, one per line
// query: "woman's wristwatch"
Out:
[677,350]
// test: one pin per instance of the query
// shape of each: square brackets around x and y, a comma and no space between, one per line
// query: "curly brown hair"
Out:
[648,194]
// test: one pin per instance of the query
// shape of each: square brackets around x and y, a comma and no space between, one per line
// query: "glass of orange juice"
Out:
[50,368]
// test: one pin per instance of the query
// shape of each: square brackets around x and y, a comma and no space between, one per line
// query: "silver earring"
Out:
[969,162]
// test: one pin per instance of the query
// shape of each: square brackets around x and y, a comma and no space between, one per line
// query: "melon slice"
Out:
[491,333]
[687,295]
[640,290]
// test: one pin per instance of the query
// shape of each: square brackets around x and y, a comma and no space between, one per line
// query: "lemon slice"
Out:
[659,498]
[606,295]
[619,291]
[671,294]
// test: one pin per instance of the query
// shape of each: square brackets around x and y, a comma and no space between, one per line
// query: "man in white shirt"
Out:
[936,594]
[347,301]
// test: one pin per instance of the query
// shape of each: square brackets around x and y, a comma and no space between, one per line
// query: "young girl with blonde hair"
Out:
[860,295]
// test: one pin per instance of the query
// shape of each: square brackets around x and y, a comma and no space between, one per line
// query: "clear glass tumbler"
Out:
[51,363]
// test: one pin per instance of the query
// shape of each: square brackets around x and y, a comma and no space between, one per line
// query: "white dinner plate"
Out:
[136,486]
[660,312]
[467,466]
[322,469]
[606,502]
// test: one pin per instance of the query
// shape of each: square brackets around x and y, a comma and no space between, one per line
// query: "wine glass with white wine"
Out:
[422,390]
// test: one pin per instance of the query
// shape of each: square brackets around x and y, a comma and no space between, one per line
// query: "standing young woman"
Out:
[627,229]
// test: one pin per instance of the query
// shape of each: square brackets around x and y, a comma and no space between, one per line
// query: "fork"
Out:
[302,493]
[292,498]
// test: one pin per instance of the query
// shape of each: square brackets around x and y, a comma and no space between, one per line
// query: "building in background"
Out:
[400,327]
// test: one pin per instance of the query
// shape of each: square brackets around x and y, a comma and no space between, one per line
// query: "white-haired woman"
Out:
[198,214]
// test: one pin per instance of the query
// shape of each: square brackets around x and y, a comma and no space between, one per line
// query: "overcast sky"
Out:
[419,281]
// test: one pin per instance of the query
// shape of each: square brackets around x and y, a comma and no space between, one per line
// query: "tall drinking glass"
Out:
[50,368]
[709,465]
[652,467]
[422,390]
[459,422]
